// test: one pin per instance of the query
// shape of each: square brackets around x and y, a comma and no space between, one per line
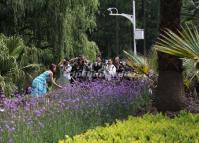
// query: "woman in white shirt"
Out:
[67,70]
[110,70]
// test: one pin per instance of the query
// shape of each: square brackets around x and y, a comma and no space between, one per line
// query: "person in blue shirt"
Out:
[39,84]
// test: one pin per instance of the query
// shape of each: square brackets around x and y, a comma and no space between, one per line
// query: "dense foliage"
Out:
[149,128]
[68,28]
[70,110]
[184,45]
[190,12]
[63,26]
[17,63]
[60,26]
[42,32]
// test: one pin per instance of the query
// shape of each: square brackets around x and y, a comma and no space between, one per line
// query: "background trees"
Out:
[48,24]
[53,29]
[67,28]
[17,63]
[42,32]
[114,34]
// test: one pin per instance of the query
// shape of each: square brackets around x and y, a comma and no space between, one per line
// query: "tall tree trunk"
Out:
[170,91]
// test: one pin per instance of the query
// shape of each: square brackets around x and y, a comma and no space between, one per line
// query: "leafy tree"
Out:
[184,45]
[190,12]
[151,22]
[49,24]
[16,63]
[50,30]
[114,34]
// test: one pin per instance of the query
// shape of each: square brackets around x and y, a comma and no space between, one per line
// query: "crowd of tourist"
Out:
[80,69]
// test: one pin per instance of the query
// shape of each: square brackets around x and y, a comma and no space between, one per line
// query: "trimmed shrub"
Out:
[147,129]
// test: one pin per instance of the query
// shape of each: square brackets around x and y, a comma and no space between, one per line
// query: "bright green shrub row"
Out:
[147,129]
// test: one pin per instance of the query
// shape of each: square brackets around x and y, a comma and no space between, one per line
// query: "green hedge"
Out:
[147,129]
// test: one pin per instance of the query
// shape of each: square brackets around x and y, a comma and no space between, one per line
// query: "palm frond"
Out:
[31,67]
[26,72]
[191,72]
[17,63]
[138,63]
[183,44]
[153,60]
[190,11]
[15,46]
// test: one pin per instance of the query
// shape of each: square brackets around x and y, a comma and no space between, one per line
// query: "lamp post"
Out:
[138,33]
[134,28]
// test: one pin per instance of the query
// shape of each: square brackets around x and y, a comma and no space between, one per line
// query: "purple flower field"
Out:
[67,111]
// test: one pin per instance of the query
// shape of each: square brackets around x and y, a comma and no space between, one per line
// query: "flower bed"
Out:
[147,129]
[71,110]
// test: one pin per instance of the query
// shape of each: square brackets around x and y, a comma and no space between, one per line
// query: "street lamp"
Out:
[138,33]
[128,16]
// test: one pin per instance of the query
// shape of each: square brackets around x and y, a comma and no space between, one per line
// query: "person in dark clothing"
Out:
[97,67]
[118,65]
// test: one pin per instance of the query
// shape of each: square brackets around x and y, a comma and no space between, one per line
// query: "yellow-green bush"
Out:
[147,129]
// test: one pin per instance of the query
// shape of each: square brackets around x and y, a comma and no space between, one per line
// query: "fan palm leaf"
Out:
[15,46]
[191,71]
[183,44]
[15,63]
[27,71]
[138,63]
[190,11]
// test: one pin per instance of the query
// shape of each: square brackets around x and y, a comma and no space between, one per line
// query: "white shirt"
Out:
[110,71]
[67,71]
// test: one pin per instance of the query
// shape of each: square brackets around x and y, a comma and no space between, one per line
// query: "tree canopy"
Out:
[57,25]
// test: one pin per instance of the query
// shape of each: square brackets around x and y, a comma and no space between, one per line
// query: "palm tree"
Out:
[26,58]
[170,89]
[9,71]
[184,45]
[138,63]
[15,67]
[142,65]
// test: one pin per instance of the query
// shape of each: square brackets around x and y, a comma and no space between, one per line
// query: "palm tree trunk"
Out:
[170,90]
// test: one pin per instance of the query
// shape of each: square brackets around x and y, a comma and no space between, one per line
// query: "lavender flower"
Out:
[102,98]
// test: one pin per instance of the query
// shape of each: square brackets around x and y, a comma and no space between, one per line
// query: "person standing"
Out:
[39,84]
